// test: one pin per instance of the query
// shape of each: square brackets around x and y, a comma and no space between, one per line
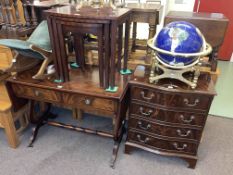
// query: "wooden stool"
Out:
[8,118]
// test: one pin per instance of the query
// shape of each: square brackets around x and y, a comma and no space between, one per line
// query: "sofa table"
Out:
[168,118]
[82,92]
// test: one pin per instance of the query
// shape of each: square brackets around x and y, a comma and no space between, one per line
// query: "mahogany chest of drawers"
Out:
[168,118]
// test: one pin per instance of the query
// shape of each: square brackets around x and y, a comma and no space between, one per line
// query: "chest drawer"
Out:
[164,130]
[162,144]
[175,100]
[37,93]
[169,116]
[85,101]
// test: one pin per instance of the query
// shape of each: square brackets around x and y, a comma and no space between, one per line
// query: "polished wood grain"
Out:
[60,19]
[9,117]
[168,117]
[162,144]
[200,102]
[165,130]
[82,92]
[165,115]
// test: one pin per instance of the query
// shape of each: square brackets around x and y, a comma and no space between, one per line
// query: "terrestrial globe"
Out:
[179,44]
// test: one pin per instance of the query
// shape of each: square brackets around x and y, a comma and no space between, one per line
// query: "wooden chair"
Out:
[8,118]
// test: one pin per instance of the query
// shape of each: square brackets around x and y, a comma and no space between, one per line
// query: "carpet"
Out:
[63,152]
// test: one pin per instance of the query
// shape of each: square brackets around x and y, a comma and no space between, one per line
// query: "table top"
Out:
[143,7]
[205,84]
[83,82]
[70,11]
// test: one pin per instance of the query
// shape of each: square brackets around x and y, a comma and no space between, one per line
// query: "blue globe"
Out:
[178,37]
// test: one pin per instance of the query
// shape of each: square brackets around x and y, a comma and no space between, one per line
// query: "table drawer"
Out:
[144,17]
[88,102]
[162,144]
[175,100]
[169,116]
[164,130]
[36,93]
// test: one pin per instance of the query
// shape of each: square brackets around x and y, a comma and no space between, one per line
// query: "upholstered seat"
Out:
[37,46]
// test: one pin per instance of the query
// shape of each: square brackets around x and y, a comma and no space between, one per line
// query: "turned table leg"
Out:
[134,37]
[39,121]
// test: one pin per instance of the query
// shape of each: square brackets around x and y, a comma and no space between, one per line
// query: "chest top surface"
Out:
[141,78]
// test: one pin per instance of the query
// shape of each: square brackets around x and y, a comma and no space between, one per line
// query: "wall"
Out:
[180,5]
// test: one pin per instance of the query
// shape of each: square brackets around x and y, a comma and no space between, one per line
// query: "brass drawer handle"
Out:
[142,141]
[178,147]
[87,101]
[141,109]
[192,117]
[186,102]
[143,127]
[179,132]
[147,98]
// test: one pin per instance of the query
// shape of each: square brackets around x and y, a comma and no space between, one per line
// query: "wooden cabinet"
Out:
[165,120]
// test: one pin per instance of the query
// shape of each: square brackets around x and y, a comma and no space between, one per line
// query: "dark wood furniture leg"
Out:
[79,50]
[134,37]
[192,162]
[120,32]
[106,55]
[113,51]
[126,45]
[214,59]
[39,121]
[128,149]
[100,56]
[116,147]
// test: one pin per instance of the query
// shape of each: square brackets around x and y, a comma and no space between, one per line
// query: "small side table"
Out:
[63,19]
[144,13]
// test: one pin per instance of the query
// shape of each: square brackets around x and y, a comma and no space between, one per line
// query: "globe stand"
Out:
[177,74]
[176,71]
